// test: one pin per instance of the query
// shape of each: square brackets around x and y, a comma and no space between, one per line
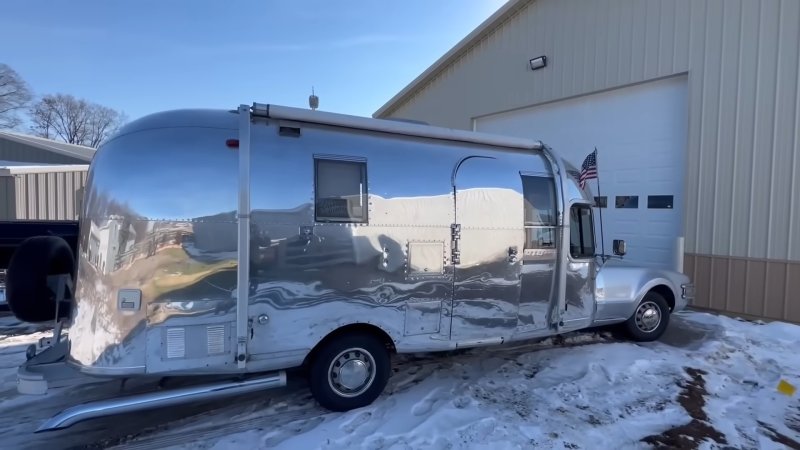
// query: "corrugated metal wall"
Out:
[8,200]
[43,196]
[743,60]
[15,151]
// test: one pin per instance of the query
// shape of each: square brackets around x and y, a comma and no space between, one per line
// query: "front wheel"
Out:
[349,371]
[650,319]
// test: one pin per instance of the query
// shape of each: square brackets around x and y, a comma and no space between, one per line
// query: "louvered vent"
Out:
[216,339]
[176,342]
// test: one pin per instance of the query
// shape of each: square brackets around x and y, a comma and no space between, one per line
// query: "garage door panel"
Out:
[640,134]
[623,177]
[656,230]
[662,175]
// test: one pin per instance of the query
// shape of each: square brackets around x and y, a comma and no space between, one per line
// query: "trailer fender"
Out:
[353,328]
[28,294]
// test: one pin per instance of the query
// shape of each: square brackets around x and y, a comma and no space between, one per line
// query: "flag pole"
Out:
[600,207]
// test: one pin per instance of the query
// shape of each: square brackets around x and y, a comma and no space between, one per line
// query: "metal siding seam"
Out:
[589,79]
[795,150]
[18,205]
[746,282]
[675,38]
[601,51]
[49,194]
[30,203]
[736,125]
[770,202]
[728,285]
[753,141]
[786,290]
[610,78]
[698,165]
[661,26]
[711,272]
[716,179]
[646,74]
[52,193]
[764,297]
[785,296]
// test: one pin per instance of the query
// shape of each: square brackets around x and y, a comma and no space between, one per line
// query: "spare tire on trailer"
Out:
[28,294]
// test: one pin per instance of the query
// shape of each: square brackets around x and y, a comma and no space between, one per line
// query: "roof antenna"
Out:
[313,100]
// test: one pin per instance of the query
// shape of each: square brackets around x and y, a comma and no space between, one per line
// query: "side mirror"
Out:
[619,247]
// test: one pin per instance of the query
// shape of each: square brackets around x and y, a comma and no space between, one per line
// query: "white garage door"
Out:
[640,135]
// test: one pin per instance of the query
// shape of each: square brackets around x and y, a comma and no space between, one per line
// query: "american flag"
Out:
[588,168]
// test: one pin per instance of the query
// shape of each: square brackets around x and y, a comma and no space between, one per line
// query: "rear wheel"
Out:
[349,371]
[28,295]
[650,319]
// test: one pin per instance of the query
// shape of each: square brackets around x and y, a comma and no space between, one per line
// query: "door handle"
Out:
[512,254]
[306,232]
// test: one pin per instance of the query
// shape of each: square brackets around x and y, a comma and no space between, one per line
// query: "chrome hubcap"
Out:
[648,316]
[351,372]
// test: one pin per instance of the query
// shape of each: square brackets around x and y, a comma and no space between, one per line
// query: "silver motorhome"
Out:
[266,238]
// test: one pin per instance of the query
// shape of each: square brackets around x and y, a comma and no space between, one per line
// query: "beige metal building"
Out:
[41,179]
[693,106]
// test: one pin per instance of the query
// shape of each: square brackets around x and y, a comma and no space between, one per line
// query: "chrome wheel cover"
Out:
[351,372]
[648,316]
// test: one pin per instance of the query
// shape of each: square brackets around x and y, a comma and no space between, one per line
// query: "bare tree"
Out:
[73,120]
[14,96]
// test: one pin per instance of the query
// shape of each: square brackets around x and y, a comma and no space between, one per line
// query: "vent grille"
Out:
[216,339]
[176,343]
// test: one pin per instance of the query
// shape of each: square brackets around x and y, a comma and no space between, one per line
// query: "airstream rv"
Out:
[264,238]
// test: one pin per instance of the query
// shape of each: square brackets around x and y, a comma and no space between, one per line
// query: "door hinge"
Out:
[455,236]
[455,231]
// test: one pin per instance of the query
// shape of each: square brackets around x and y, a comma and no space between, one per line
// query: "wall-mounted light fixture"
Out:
[538,63]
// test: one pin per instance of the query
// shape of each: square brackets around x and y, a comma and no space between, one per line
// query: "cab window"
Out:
[581,232]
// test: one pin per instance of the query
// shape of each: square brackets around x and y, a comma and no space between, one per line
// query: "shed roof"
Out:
[16,167]
[462,47]
[62,148]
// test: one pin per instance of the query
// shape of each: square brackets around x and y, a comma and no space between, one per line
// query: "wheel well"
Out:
[667,293]
[353,328]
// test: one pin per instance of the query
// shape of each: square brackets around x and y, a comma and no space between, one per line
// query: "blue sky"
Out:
[145,56]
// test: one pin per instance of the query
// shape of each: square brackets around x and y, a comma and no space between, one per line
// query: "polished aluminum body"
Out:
[202,249]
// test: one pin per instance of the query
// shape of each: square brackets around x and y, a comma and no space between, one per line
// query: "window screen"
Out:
[340,191]
[581,232]
[659,201]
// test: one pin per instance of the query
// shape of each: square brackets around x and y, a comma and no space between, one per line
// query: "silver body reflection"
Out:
[199,254]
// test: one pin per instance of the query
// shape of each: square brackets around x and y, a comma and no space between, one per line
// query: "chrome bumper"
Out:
[687,293]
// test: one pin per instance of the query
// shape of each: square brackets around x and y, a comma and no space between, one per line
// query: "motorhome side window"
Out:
[540,211]
[581,232]
[340,188]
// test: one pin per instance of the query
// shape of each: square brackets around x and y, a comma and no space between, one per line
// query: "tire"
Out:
[348,348]
[650,318]
[28,296]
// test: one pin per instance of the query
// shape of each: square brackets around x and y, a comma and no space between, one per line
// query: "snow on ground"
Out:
[609,395]
[709,383]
